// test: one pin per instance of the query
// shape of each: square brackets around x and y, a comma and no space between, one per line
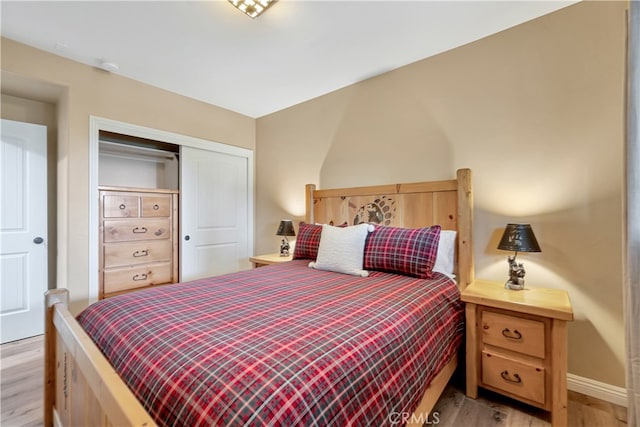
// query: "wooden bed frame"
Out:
[81,387]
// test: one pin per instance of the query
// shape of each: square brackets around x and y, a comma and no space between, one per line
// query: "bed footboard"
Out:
[80,386]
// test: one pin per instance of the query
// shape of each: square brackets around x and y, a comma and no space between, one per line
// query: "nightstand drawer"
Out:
[513,376]
[513,333]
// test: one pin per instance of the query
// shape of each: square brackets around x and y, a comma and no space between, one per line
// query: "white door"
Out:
[23,229]
[214,213]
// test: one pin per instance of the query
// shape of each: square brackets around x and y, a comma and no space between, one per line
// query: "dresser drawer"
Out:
[121,254]
[124,230]
[514,333]
[153,206]
[122,279]
[522,379]
[120,206]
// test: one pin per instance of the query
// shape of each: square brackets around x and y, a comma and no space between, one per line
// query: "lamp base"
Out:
[517,286]
[284,247]
[515,281]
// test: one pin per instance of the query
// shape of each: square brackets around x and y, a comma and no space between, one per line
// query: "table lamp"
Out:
[518,238]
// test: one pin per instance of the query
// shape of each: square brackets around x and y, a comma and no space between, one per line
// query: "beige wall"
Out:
[536,111]
[79,91]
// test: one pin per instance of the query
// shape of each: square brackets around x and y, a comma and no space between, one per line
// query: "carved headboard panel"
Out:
[447,203]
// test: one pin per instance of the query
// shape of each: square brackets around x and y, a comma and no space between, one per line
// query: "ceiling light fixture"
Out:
[252,8]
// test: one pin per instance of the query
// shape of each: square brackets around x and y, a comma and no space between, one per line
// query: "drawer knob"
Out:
[156,207]
[144,252]
[515,378]
[515,335]
[139,277]
[122,206]
[140,230]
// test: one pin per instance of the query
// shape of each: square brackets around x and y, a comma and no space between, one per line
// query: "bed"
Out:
[280,345]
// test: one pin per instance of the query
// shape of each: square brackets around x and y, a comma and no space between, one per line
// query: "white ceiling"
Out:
[296,51]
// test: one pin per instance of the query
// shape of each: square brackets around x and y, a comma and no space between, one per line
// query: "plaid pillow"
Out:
[307,241]
[408,251]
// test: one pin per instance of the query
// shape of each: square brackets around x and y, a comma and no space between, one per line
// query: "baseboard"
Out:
[597,389]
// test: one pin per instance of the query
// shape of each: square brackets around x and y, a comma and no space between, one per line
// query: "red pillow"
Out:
[408,251]
[307,241]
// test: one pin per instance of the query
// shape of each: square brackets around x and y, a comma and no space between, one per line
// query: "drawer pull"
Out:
[515,335]
[138,254]
[516,378]
[156,207]
[139,277]
[122,206]
[140,230]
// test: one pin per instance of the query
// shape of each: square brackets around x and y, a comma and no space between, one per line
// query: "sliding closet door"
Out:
[214,192]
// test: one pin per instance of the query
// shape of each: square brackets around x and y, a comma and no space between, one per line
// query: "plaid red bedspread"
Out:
[281,345]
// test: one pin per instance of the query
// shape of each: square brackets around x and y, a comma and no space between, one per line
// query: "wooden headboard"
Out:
[421,204]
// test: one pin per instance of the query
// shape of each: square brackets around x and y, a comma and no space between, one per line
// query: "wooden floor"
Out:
[21,378]
[21,399]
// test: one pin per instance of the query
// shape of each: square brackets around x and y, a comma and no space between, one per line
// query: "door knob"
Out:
[38,240]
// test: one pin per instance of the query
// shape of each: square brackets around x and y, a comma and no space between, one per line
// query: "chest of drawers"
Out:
[138,239]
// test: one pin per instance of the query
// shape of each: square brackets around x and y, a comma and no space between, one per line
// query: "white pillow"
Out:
[446,253]
[342,249]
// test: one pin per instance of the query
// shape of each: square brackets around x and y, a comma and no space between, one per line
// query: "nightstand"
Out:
[262,260]
[517,344]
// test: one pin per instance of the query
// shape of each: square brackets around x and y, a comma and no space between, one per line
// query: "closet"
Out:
[169,208]
[138,208]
